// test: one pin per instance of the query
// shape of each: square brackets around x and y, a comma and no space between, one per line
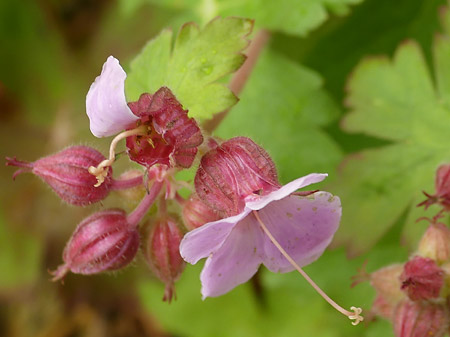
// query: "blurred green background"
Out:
[293,104]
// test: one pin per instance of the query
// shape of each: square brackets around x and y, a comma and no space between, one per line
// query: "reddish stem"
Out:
[139,212]
[123,184]
[240,77]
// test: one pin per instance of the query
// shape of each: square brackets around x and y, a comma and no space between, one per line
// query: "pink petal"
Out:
[236,261]
[284,191]
[205,240]
[304,227]
[106,104]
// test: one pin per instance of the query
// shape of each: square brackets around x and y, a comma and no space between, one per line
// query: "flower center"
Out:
[353,315]
[101,171]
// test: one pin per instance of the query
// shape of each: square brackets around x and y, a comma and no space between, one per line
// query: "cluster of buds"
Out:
[160,137]
[415,295]
[239,216]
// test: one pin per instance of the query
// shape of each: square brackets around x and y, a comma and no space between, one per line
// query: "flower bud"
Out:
[386,282]
[67,174]
[232,171]
[420,319]
[435,243]
[196,213]
[442,186]
[422,279]
[163,254]
[102,242]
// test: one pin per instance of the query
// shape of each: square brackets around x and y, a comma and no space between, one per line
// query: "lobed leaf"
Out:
[297,17]
[192,67]
[397,101]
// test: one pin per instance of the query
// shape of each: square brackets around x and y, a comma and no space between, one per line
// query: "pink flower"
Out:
[237,245]
[106,105]
[159,130]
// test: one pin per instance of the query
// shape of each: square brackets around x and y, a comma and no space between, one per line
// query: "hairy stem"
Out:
[139,212]
[123,184]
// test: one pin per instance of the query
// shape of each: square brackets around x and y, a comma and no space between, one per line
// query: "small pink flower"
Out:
[159,130]
[237,245]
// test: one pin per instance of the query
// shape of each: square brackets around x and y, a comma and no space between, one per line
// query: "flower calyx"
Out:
[102,242]
[163,255]
[67,174]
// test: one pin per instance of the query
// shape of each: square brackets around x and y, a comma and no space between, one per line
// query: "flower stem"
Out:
[139,212]
[240,77]
[101,171]
[123,184]
[355,315]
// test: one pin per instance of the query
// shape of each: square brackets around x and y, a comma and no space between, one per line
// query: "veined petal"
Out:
[207,239]
[304,227]
[106,104]
[285,190]
[236,261]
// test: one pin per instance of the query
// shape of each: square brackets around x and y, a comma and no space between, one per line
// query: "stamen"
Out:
[355,315]
[101,171]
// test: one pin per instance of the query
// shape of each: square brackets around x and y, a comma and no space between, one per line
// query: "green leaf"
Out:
[283,107]
[191,69]
[396,101]
[288,16]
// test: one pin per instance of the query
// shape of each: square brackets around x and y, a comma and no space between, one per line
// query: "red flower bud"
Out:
[232,171]
[174,137]
[435,243]
[196,213]
[420,319]
[163,255]
[102,242]
[422,279]
[442,185]
[67,174]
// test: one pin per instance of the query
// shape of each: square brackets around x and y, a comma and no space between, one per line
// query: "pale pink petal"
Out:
[304,227]
[236,261]
[205,240]
[106,104]
[256,203]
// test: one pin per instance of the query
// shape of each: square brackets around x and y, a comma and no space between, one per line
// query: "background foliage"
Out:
[358,89]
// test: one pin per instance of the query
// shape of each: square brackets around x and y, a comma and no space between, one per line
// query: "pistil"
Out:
[101,171]
[353,315]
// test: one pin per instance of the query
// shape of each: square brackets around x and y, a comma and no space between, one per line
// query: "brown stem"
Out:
[240,77]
